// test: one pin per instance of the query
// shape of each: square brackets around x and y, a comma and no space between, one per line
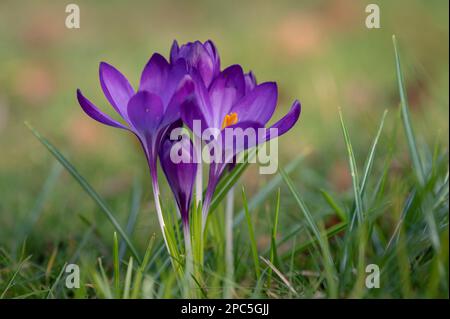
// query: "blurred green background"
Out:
[319,52]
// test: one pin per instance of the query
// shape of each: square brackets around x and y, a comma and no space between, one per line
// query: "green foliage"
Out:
[338,203]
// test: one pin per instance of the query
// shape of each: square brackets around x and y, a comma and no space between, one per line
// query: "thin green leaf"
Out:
[252,236]
[55,284]
[127,286]
[268,189]
[134,212]
[142,267]
[87,187]
[282,277]
[333,205]
[13,277]
[412,144]
[230,180]
[353,171]
[273,240]
[309,219]
[116,265]
[370,159]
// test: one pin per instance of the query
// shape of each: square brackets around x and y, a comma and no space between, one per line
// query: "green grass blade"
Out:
[268,189]
[103,281]
[55,284]
[333,205]
[353,170]
[321,238]
[13,277]
[134,212]
[370,159]
[280,275]
[329,233]
[230,180]
[127,285]
[273,240]
[251,234]
[116,265]
[87,187]
[307,214]
[142,268]
[36,212]
[414,153]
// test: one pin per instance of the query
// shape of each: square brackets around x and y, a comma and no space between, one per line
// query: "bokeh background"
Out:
[318,51]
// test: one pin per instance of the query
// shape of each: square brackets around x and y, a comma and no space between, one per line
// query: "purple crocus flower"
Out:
[231,99]
[149,112]
[179,166]
[202,59]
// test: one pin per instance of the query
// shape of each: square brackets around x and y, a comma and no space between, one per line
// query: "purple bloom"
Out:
[149,112]
[201,58]
[228,99]
[180,168]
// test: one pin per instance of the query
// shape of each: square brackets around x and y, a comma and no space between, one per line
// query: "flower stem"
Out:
[199,175]
[155,188]
[189,265]
[229,260]
[212,183]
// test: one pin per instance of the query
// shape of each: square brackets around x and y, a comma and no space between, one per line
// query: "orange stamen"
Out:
[229,119]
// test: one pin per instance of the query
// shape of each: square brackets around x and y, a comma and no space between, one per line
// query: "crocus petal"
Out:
[145,111]
[225,91]
[191,111]
[212,50]
[180,175]
[174,51]
[231,141]
[154,75]
[250,82]
[185,90]
[90,109]
[286,122]
[177,72]
[259,104]
[161,78]
[239,137]
[199,58]
[116,88]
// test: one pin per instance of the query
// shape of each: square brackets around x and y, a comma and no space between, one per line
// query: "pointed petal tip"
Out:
[269,85]
[92,111]
[158,56]
[104,66]
[235,68]
[297,106]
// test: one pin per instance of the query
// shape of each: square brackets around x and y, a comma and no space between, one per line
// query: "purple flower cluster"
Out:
[190,87]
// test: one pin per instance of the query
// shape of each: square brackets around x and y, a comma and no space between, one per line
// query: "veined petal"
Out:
[233,140]
[116,88]
[177,72]
[145,111]
[239,137]
[286,122]
[90,109]
[174,51]
[185,90]
[161,78]
[155,74]
[225,91]
[259,104]
[212,50]
[250,82]
[178,165]
[190,112]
